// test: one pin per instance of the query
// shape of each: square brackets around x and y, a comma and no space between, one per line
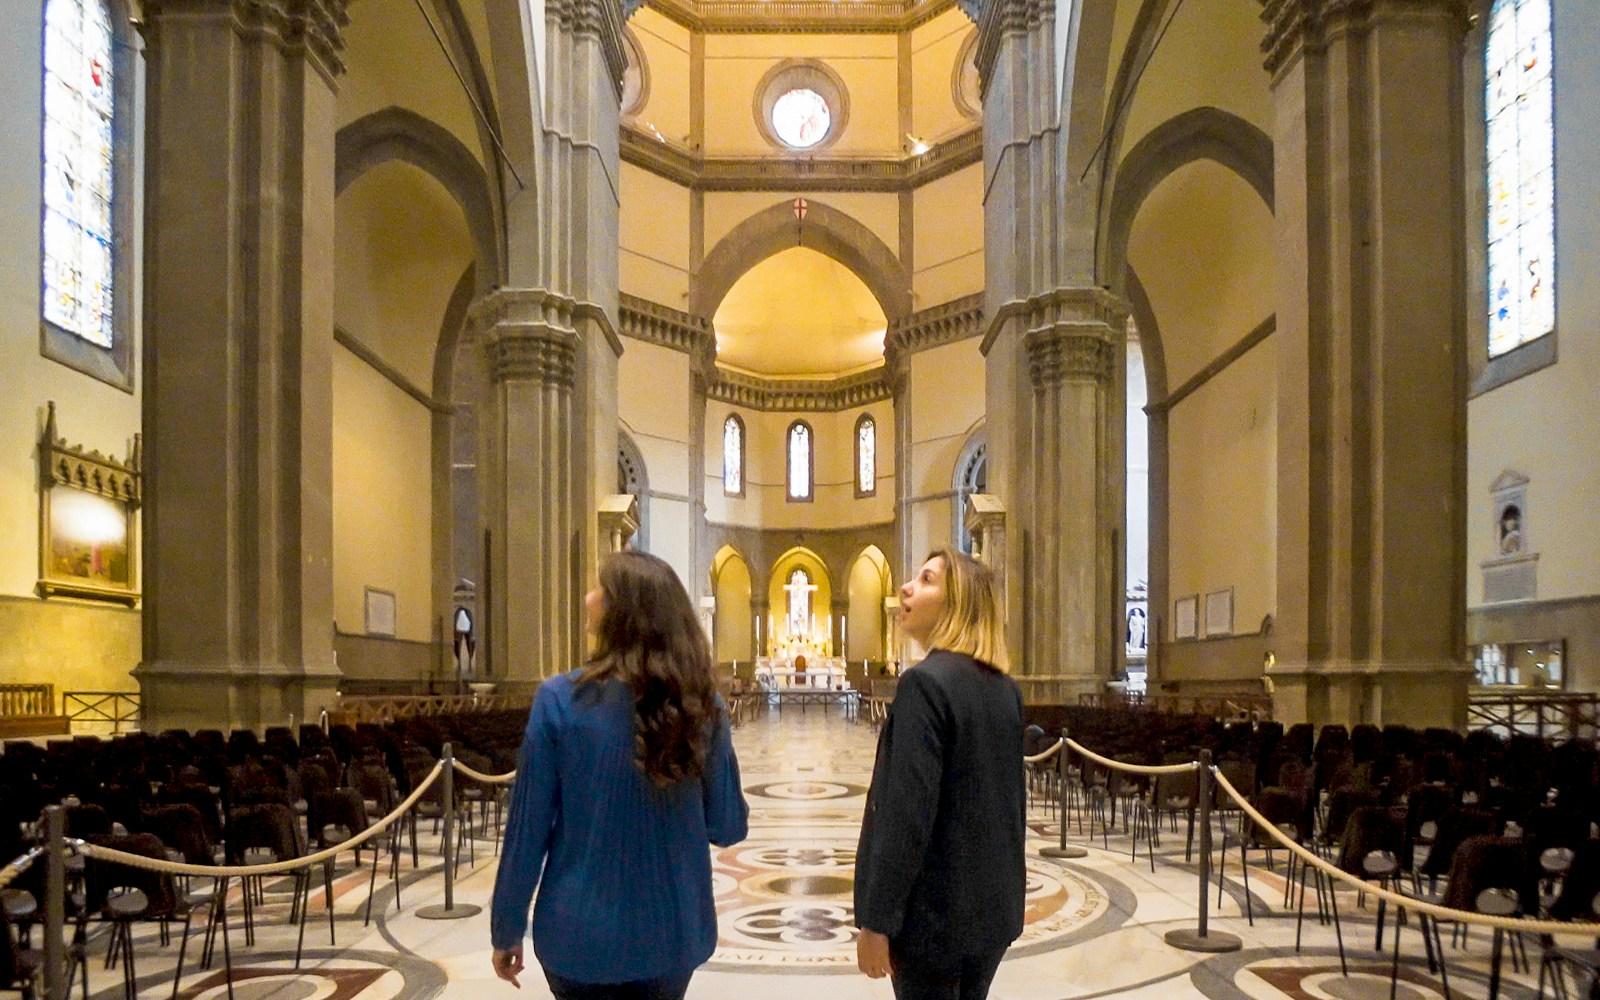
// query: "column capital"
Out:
[998,18]
[315,27]
[1294,26]
[602,20]
[528,335]
[1072,333]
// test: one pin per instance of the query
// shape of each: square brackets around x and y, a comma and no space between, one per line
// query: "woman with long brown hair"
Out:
[626,774]
[939,872]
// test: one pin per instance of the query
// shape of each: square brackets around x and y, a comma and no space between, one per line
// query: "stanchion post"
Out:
[449,911]
[1202,938]
[1063,849]
[55,903]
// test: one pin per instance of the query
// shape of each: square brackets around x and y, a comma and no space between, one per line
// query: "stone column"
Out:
[759,639]
[1370,621]
[535,517]
[238,340]
[1050,349]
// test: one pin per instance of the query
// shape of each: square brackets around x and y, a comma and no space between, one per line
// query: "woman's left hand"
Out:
[872,954]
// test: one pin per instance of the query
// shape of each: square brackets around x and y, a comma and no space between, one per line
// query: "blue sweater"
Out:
[625,892]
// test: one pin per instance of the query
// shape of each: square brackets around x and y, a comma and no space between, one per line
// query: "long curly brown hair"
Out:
[649,638]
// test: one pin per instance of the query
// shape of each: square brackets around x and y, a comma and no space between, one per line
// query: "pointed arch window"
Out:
[866,456]
[1520,157]
[85,76]
[733,456]
[801,461]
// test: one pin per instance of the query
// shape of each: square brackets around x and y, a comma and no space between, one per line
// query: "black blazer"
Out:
[940,866]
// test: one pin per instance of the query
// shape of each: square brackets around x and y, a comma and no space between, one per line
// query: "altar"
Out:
[800,672]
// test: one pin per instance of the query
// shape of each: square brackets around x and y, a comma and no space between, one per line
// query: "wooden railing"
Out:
[355,709]
[1557,715]
[30,710]
[92,708]
[1254,707]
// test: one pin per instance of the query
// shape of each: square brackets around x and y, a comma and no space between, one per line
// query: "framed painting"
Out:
[380,612]
[1186,617]
[88,521]
[1219,612]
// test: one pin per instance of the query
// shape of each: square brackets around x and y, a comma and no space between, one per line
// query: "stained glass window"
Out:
[1520,140]
[799,461]
[799,589]
[801,118]
[866,455]
[78,110]
[733,456]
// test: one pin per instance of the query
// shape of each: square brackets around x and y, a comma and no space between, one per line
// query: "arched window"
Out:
[1520,155]
[800,463]
[866,456]
[733,456]
[84,72]
[972,476]
[799,589]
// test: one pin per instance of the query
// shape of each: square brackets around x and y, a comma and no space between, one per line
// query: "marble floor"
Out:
[1095,926]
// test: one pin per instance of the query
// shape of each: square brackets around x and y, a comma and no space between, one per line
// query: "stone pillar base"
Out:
[233,696]
[1057,689]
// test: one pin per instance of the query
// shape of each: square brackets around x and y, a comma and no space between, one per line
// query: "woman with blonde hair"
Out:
[939,871]
[626,774]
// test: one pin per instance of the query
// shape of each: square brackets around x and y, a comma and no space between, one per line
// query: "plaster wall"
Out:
[947,404]
[864,639]
[382,499]
[732,632]
[74,645]
[1223,491]
[653,261]
[765,503]
[868,64]
[948,220]
[934,47]
[666,53]
[653,406]
[1138,494]
[391,58]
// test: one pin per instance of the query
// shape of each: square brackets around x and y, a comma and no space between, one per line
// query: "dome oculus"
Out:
[801,118]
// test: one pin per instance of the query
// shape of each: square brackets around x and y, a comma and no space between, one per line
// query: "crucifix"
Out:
[799,589]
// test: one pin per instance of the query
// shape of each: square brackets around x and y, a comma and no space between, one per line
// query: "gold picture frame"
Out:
[88,521]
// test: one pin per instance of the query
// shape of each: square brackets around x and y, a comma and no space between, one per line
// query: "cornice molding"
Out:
[782,17]
[601,19]
[1294,26]
[664,326]
[937,325]
[1070,332]
[63,464]
[795,395]
[802,173]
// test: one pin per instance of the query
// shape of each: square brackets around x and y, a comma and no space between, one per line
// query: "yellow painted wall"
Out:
[653,407]
[391,58]
[868,64]
[1543,425]
[1222,476]
[382,499]
[653,261]
[1201,246]
[878,212]
[666,52]
[733,634]
[948,219]
[1210,57]
[934,46]
[864,639]
[44,639]
[764,504]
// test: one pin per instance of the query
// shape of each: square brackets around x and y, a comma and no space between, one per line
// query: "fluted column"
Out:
[535,510]
[1370,621]
[238,340]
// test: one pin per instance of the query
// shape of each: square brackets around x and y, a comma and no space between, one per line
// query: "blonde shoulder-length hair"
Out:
[970,621]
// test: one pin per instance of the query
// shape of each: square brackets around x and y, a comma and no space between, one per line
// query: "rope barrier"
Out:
[488,779]
[1520,924]
[1192,765]
[271,868]
[1044,754]
[21,863]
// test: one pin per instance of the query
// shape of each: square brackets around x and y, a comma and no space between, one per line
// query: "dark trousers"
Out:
[917,980]
[664,988]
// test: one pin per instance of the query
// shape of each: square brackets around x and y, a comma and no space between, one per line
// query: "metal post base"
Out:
[441,912]
[1188,939]
[1069,851]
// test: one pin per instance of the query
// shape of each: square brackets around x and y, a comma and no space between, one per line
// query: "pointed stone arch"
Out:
[634,478]
[826,230]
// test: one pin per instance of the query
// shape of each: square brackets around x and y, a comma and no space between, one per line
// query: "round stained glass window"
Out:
[801,118]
